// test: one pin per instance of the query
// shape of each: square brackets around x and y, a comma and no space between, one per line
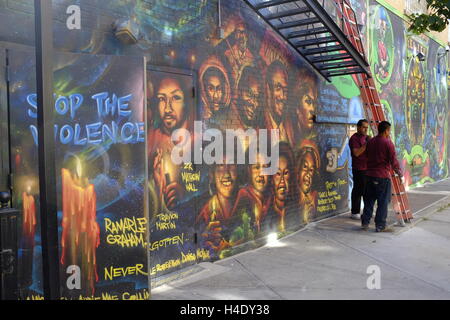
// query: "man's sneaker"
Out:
[385,229]
[365,227]
[355,216]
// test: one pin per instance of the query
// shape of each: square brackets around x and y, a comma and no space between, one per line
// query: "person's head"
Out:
[277,85]
[241,36]
[225,179]
[214,83]
[362,126]
[170,95]
[249,96]
[307,95]
[258,180]
[282,180]
[384,129]
[308,164]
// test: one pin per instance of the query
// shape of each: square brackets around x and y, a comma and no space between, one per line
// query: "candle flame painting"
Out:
[81,232]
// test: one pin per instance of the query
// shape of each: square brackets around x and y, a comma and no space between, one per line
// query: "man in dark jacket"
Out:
[381,158]
[358,144]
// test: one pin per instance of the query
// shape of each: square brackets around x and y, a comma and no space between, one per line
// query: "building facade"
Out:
[127,212]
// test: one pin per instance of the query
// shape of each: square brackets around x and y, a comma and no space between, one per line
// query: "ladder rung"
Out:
[336,65]
[311,42]
[399,194]
[307,32]
[271,4]
[344,72]
[297,23]
[325,49]
[331,57]
[287,13]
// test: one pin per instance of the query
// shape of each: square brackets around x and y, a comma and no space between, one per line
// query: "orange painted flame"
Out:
[29,219]
[80,230]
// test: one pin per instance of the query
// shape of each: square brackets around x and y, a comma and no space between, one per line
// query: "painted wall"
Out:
[250,79]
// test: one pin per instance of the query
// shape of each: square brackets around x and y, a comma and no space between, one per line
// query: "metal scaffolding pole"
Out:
[45,121]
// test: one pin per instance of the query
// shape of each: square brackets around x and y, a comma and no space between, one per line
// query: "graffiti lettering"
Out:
[203,255]
[173,263]
[165,221]
[127,232]
[189,257]
[93,133]
[185,258]
[111,272]
[167,242]
[35,297]
[144,295]
[126,240]
[190,178]
[134,225]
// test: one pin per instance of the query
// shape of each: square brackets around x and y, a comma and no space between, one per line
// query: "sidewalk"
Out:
[329,260]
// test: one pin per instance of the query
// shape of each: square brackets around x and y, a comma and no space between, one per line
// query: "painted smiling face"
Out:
[225,179]
[281,180]
[251,98]
[171,104]
[306,174]
[259,181]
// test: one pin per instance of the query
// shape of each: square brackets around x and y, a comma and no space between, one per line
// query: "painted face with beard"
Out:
[225,180]
[259,181]
[171,104]
[281,180]
[306,174]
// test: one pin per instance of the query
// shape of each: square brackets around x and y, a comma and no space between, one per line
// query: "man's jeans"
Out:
[379,190]
[359,187]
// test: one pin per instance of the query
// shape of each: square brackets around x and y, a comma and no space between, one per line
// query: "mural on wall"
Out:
[248,79]
[99,125]
[413,93]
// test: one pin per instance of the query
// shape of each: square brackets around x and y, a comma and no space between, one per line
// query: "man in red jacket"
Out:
[358,144]
[381,158]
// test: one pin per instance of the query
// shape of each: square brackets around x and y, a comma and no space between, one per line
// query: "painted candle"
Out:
[80,230]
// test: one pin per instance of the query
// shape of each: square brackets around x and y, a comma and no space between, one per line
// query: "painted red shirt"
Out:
[356,142]
[381,158]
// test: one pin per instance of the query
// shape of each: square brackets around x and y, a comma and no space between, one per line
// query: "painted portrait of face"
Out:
[277,80]
[214,83]
[225,179]
[250,97]
[307,107]
[307,170]
[308,165]
[215,87]
[281,180]
[306,96]
[171,104]
[258,181]
[241,37]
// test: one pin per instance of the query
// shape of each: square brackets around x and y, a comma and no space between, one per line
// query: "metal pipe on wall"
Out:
[46,148]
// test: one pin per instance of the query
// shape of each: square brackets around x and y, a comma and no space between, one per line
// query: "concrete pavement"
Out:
[329,259]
